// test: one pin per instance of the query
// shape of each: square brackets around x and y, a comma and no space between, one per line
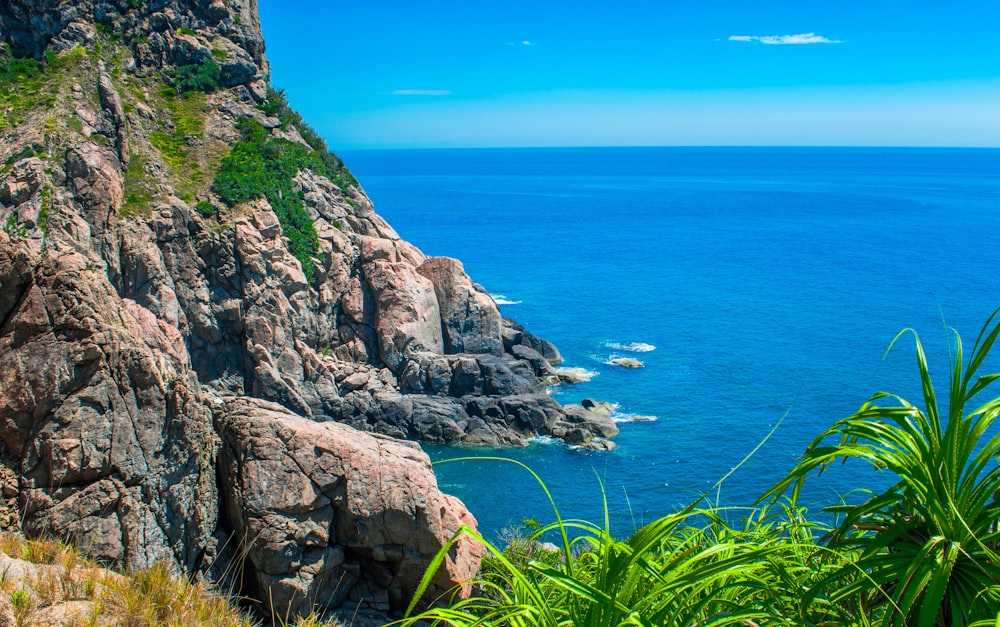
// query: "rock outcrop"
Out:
[329,514]
[177,378]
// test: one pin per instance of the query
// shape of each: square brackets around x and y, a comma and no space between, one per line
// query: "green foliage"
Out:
[186,31]
[19,598]
[22,82]
[219,54]
[197,77]
[333,168]
[75,124]
[137,196]
[43,213]
[205,208]
[692,567]
[261,167]
[930,547]
[14,229]
[178,143]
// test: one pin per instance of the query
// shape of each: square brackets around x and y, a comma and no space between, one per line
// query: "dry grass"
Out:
[65,587]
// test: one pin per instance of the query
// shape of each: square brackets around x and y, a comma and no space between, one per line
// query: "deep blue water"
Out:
[770,281]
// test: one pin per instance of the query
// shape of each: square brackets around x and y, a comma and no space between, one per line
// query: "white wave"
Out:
[544,440]
[500,299]
[632,347]
[626,417]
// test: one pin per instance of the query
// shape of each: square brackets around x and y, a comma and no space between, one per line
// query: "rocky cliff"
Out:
[207,334]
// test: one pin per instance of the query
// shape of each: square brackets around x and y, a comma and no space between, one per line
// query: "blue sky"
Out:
[371,74]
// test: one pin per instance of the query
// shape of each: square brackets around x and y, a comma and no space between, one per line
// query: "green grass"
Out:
[929,544]
[922,553]
[22,86]
[179,144]
[138,199]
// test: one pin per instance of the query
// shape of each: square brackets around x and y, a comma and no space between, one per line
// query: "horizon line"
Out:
[683,146]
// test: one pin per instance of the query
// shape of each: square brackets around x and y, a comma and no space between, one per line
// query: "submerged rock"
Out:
[627,362]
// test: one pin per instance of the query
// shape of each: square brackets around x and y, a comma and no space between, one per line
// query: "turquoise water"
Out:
[770,282]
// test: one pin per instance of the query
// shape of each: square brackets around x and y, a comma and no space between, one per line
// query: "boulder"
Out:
[627,362]
[326,513]
[598,422]
[407,317]
[516,335]
[469,317]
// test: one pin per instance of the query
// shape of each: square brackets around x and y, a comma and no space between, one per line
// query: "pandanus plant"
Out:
[928,543]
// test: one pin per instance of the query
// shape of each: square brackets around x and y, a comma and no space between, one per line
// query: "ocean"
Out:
[757,286]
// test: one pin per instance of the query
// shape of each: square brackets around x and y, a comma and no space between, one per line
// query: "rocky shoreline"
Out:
[176,384]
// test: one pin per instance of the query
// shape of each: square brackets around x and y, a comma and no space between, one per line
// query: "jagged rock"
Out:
[325,511]
[114,451]
[597,423]
[470,318]
[111,103]
[138,331]
[407,317]
[541,368]
[463,375]
[516,335]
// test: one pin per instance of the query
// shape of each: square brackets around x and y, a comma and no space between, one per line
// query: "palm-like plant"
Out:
[929,543]
[691,568]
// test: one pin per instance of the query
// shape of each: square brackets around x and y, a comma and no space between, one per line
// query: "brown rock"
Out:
[325,509]
[407,317]
[469,317]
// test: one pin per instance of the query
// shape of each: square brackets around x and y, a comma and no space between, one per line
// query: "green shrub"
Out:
[333,168]
[14,229]
[186,31]
[261,167]
[205,208]
[929,544]
[203,76]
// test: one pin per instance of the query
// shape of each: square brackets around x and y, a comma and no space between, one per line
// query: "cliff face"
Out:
[198,303]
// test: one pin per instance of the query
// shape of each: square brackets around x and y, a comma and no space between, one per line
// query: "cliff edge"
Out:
[207,334]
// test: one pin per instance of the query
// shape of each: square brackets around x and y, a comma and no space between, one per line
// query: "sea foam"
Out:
[632,347]
[626,417]
[500,299]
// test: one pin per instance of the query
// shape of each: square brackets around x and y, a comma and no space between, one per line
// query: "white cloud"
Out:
[523,42]
[783,40]
[421,92]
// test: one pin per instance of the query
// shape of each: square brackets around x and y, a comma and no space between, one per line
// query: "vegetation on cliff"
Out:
[923,552]
[260,166]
